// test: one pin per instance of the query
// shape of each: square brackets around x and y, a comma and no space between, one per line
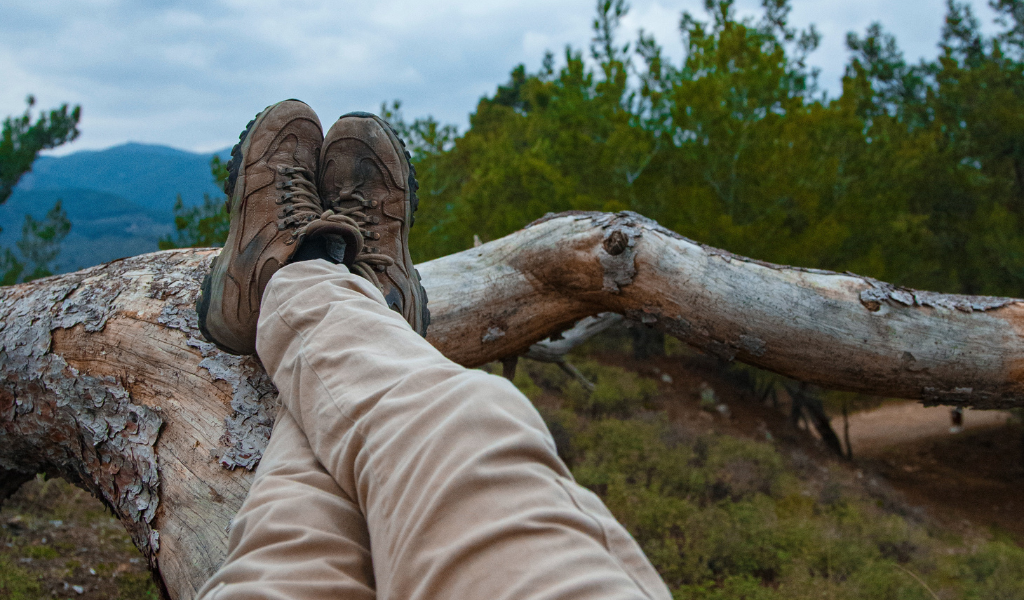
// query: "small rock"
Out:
[708,400]
[92,571]
[57,523]
[78,589]
[666,378]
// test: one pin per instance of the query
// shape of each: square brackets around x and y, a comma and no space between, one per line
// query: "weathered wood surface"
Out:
[106,380]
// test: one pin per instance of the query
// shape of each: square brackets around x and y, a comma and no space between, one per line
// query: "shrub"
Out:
[15,582]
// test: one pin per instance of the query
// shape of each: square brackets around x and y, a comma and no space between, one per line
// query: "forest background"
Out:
[914,174]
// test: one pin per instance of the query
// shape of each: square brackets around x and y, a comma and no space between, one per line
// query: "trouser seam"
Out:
[567,487]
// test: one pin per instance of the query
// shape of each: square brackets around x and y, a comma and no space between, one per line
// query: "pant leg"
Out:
[297,534]
[455,471]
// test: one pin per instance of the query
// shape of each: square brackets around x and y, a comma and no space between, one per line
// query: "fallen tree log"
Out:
[108,383]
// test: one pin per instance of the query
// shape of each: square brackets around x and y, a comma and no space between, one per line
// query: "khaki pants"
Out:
[395,473]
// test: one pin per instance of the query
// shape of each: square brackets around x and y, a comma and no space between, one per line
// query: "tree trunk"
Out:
[107,381]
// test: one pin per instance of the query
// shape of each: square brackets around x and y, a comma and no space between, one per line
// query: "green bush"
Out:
[616,391]
[995,572]
[724,517]
[41,552]
[132,586]
[15,582]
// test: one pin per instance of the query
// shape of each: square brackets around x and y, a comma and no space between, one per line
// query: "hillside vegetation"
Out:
[722,515]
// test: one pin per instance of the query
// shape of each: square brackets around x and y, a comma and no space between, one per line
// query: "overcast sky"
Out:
[191,73]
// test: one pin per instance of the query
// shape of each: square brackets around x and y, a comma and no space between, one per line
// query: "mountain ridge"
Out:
[120,200]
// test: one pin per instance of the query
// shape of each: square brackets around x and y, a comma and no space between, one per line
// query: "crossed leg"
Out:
[446,476]
[297,535]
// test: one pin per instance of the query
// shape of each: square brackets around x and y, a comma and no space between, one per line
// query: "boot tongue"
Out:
[346,179]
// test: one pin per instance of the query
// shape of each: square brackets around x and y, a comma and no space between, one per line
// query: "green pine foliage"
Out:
[200,226]
[40,241]
[21,140]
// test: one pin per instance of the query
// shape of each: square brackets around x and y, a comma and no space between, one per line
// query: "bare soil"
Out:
[57,541]
[896,425]
[975,478]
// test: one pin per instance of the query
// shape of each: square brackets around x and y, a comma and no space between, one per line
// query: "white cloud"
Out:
[191,73]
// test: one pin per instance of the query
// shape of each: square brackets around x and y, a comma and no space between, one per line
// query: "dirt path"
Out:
[900,424]
[969,479]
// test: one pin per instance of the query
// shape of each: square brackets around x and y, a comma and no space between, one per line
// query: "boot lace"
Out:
[348,210]
[299,202]
[301,210]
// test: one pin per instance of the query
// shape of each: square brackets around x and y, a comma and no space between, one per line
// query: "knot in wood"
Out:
[616,243]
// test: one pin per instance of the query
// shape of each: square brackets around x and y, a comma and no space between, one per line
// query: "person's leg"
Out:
[454,470]
[297,535]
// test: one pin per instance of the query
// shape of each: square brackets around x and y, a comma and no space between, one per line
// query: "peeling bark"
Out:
[103,384]
[107,381]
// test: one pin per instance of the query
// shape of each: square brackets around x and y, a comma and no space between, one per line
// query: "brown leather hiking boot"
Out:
[365,174]
[274,209]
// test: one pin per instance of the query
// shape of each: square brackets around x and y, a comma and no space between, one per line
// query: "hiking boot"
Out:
[274,211]
[365,174]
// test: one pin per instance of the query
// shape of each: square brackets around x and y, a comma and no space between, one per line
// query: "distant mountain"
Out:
[120,200]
